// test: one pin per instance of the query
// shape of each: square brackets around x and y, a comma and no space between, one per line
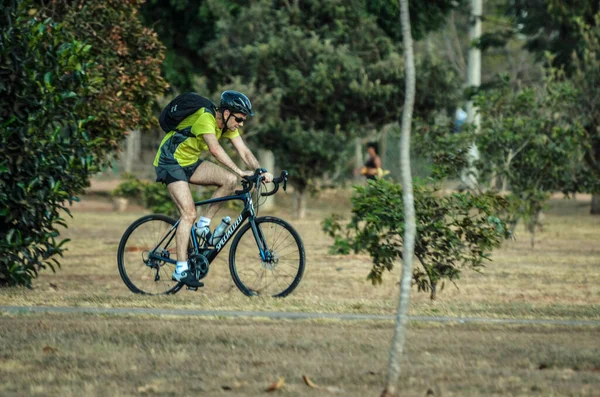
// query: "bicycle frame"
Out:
[211,254]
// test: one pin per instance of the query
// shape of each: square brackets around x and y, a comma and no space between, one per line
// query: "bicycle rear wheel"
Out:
[140,270]
[279,271]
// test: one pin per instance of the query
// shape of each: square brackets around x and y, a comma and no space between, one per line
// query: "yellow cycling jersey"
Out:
[184,146]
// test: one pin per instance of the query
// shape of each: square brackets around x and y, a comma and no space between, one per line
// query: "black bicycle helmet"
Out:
[236,102]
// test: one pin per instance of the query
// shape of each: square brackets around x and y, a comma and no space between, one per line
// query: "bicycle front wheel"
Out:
[143,248]
[278,269]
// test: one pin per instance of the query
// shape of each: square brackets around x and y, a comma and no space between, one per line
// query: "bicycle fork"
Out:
[265,254]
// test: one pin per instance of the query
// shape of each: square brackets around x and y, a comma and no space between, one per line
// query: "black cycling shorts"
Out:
[173,173]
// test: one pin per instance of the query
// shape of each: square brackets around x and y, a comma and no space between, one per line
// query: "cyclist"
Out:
[177,163]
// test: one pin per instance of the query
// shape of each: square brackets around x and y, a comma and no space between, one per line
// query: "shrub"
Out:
[157,199]
[131,188]
[153,196]
[67,99]
[46,150]
[454,231]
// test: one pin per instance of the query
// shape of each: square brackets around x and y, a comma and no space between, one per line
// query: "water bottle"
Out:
[220,230]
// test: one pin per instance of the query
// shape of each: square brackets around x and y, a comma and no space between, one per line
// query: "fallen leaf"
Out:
[330,389]
[52,285]
[48,349]
[309,383]
[276,385]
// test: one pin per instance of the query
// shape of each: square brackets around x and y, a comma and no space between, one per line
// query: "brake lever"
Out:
[284,176]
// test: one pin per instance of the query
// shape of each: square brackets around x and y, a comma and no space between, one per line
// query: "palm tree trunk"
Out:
[393,372]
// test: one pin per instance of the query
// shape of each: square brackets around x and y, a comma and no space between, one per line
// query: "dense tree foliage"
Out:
[185,27]
[529,141]
[426,16]
[530,145]
[128,57]
[319,73]
[551,26]
[73,80]
[585,108]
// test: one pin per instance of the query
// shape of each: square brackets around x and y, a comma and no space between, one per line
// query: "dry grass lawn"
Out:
[69,355]
[64,355]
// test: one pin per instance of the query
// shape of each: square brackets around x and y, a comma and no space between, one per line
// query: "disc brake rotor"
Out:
[271,262]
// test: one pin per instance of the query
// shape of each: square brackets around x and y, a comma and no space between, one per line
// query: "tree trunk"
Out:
[298,204]
[393,371]
[474,67]
[383,146]
[267,160]
[595,204]
[433,294]
[133,147]
[469,176]
[358,158]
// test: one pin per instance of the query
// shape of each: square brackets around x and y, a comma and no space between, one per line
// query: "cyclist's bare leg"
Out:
[182,197]
[209,174]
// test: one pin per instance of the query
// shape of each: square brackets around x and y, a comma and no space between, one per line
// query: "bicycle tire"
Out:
[281,238]
[138,246]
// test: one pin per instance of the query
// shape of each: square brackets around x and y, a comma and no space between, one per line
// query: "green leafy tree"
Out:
[585,107]
[318,74]
[185,27]
[551,26]
[61,114]
[528,140]
[129,58]
[566,31]
[426,16]
[454,232]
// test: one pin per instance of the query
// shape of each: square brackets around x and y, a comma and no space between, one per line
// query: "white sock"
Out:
[181,267]
[203,221]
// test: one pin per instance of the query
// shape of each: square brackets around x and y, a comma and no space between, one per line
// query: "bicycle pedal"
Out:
[192,288]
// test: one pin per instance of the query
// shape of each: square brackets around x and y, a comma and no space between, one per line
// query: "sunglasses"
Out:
[239,119]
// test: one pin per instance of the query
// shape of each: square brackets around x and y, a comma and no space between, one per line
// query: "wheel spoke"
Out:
[138,241]
[276,276]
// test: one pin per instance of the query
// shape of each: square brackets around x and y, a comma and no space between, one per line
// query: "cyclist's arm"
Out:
[222,157]
[245,153]
[377,161]
[248,157]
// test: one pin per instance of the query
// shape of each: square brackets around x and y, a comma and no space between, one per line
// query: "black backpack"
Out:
[181,107]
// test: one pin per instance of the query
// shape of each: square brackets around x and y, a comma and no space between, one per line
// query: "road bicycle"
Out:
[266,256]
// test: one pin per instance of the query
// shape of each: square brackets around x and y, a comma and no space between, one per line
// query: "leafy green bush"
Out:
[60,114]
[157,199]
[454,231]
[46,155]
[131,188]
[153,196]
